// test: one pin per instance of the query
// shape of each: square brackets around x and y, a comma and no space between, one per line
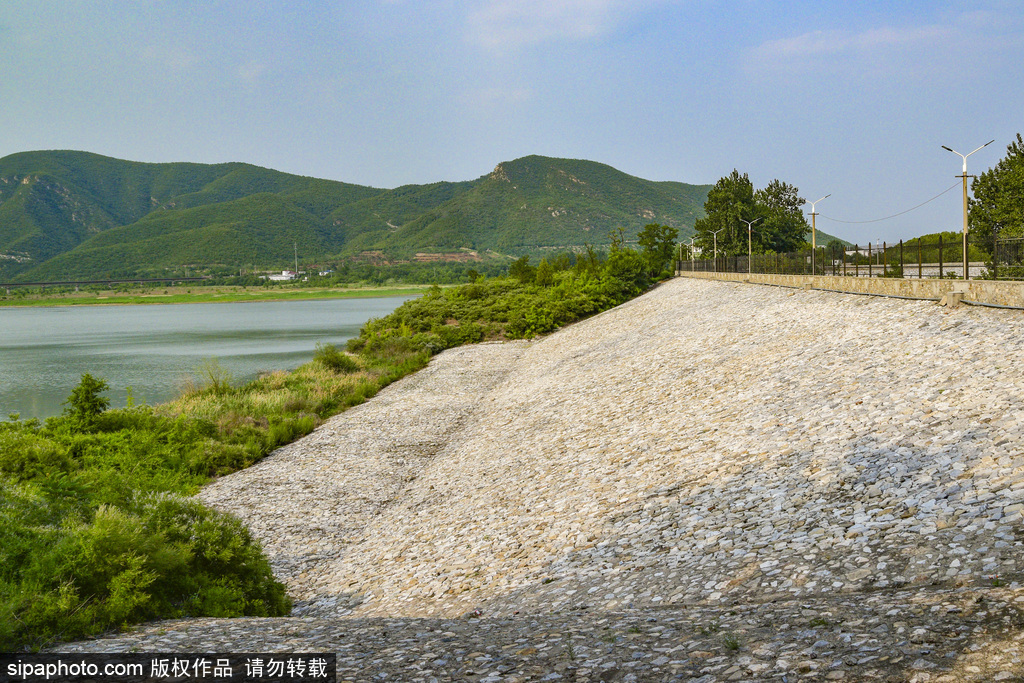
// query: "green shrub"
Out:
[214,378]
[331,358]
[160,556]
[25,455]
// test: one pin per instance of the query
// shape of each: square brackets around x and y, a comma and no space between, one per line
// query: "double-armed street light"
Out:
[814,230]
[749,250]
[964,176]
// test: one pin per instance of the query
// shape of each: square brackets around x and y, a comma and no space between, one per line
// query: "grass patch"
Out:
[225,294]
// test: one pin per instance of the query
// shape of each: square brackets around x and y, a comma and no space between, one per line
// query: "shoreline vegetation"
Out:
[204,294]
[97,527]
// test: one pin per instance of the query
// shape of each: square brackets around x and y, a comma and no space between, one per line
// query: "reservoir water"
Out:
[156,349]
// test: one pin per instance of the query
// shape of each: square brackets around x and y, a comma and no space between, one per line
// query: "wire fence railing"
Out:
[1008,259]
[937,258]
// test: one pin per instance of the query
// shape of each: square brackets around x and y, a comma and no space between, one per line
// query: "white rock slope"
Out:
[714,482]
[707,442]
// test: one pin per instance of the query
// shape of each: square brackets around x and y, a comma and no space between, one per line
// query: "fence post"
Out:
[940,255]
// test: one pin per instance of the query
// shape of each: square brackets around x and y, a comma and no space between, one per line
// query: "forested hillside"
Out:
[75,215]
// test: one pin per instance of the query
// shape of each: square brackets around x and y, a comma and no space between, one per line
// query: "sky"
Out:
[848,99]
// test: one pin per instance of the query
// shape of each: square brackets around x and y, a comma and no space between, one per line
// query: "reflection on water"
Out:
[155,349]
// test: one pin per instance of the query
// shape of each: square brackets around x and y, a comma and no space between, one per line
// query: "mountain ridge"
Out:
[76,215]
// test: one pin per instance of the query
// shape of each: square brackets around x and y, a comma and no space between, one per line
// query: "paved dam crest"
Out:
[834,482]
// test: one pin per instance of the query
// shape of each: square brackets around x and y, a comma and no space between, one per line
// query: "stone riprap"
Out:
[715,481]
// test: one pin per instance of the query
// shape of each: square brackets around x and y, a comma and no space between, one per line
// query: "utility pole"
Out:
[716,247]
[965,176]
[296,245]
[750,252]
[814,230]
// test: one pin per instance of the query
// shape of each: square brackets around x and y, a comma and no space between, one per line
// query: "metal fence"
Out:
[939,258]
[1008,259]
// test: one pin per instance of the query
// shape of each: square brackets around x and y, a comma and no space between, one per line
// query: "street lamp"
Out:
[716,247]
[749,250]
[814,230]
[964,176]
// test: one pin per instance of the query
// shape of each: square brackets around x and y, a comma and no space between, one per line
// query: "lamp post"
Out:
[691,254]
[716,247]
[814,230]
[749,250]
[964,176]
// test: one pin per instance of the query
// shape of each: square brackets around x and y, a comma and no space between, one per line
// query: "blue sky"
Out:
[849,98]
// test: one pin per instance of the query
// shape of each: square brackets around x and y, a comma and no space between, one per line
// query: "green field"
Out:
[179,295]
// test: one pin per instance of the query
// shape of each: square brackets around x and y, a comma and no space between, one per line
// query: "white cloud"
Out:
[948,47]
[510,24]
[818,44]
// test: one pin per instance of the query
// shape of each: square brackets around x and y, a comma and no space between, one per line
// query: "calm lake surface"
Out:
[155,349]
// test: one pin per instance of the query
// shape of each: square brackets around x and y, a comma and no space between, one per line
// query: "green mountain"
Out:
[537,202]
[75,215]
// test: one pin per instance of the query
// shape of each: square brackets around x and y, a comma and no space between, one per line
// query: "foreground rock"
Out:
[712,482]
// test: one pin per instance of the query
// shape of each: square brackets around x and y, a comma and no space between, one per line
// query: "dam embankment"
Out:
[715,481]
[995,293]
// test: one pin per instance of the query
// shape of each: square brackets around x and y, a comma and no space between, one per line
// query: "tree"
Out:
[835,246]
[85,403]
[629,270]
[997,210]
[781,226]
[731,199]
[545,273]
[784,227]
[522,270]
[659,243]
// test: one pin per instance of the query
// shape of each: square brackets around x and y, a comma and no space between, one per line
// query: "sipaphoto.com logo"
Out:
[169,668]
[62,670]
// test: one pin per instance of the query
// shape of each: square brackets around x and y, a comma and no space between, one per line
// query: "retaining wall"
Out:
[989,292]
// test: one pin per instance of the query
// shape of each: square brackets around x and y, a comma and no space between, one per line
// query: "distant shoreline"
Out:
[188,295]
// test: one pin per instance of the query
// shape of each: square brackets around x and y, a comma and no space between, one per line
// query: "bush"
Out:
[331,358]
[530,301]
[162,556]
[25,456]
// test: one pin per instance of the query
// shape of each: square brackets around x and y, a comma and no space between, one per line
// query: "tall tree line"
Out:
[774,212]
